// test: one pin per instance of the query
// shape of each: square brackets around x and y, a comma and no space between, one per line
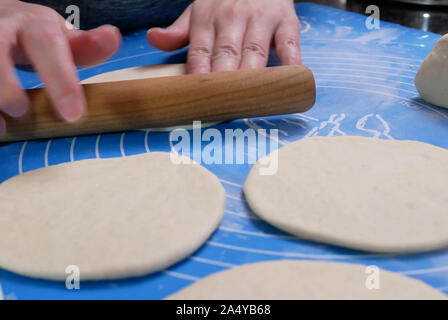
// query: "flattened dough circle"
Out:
[360,193]
[145,72]
[290,279]
[113,218]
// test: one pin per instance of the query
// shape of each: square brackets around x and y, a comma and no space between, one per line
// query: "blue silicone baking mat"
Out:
[364,87]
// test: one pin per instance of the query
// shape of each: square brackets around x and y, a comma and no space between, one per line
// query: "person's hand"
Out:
[231,34]
[37,35]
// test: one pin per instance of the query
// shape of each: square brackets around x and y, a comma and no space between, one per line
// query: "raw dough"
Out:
[289,279]
[145,72]
[361,193]
[432,77]
[113,218]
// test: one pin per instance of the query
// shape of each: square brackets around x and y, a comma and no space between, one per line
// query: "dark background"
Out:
[424,17]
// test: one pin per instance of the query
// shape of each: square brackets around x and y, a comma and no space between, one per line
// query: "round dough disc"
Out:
[112,218]
[297,280]
[145,72]
[361,193]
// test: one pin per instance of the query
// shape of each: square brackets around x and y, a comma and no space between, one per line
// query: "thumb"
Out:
[94,46]
[174,37]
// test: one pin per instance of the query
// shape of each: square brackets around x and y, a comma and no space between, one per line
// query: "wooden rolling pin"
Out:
[168,101]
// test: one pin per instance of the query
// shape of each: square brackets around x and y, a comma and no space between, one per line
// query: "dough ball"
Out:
[361,193]
[432,77]
[297,280]
[112,218]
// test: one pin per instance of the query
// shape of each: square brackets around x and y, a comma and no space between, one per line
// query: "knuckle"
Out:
[255,48]
[38,13]
[291,42]
[230,11]
[42,20]
[206,21]
[45,33]
[45,12]
[226,50]
[202,16]
[50,32]
[199,51]
[263,16]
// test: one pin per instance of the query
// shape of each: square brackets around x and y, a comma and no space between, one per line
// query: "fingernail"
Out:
[71,107]
[148,34]
[105,26]
[116,30]
[2,126]
[155,28]
[15,109]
